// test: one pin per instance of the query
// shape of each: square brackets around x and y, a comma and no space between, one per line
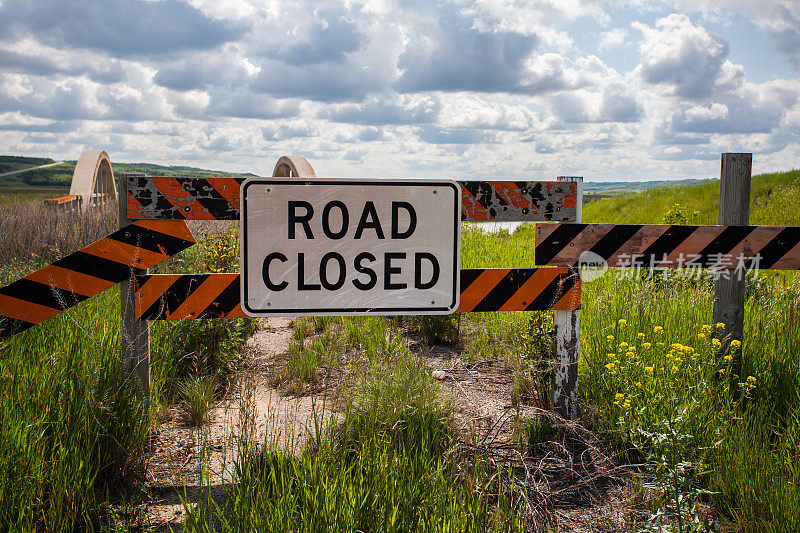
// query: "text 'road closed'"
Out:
[350,247]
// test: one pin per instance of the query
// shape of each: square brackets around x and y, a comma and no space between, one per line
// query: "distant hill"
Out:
[160,170]
[600,189]
[9,163]
[774,200]
[56,180]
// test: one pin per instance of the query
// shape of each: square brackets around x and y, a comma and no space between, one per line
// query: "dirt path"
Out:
[174,466]
[571,482]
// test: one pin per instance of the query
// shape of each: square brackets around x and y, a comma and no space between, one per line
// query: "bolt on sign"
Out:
[350,247]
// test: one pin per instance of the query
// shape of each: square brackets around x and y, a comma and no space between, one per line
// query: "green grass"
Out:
[390,466]
[70,426]
[197,397]
[773,201]
[704,436]
[71,431]
[739,435]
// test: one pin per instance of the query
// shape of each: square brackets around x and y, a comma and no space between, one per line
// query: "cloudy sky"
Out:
[638,89]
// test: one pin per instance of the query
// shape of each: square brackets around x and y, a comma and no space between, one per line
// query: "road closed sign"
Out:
[349,246]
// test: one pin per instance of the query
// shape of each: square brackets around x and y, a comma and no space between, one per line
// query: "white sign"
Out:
[349,246]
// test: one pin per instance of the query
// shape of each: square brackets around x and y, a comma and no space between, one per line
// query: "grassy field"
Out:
[706,448]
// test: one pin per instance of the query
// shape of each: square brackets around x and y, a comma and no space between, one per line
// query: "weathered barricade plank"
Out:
[170,198]
[185,296]
[669,246]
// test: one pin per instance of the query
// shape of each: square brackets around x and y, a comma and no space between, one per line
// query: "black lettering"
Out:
[326,222]
[369,211]
[323,271]
[294,219]
[388,270]
[418,257]
[412,225]
[373,278]
[301,275]
[265,272]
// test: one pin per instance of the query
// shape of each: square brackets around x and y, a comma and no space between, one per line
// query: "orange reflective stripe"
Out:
[124,253]
[175,228]
[152,290]
[571,300]
[202,296]
[532,288]
[69,280]
[25,311]
[479,288]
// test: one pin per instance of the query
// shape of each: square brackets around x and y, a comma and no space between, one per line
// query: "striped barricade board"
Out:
[184,296]
[176,198]
[89,271]
[669,246]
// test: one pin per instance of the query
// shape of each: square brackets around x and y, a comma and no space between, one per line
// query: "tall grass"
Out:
[71,427]
[32,235]
[390,466]
[72,432]
[741,430]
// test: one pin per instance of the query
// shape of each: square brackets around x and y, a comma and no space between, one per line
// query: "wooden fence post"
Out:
[135,334]
[734,210]
[567,325]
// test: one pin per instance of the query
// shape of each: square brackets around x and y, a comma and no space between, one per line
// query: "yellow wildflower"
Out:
[623,345]
[659,344]
[619,396]
[728,358]
[640,335]
[688,349]
[609,366]
[720,325]
[736,344]
[622,322]
[648,369]
[716,343]
[701,335]
[674,368]
[658,329]
[721,370]
[678,360]
[639,384]
[707,328]
[646,345]
[610,337]
[751,379]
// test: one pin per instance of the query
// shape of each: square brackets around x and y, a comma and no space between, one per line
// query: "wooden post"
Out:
[734,210]
[567,325]
[135,334]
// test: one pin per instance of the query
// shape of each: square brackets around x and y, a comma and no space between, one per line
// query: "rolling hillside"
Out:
[774,200]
